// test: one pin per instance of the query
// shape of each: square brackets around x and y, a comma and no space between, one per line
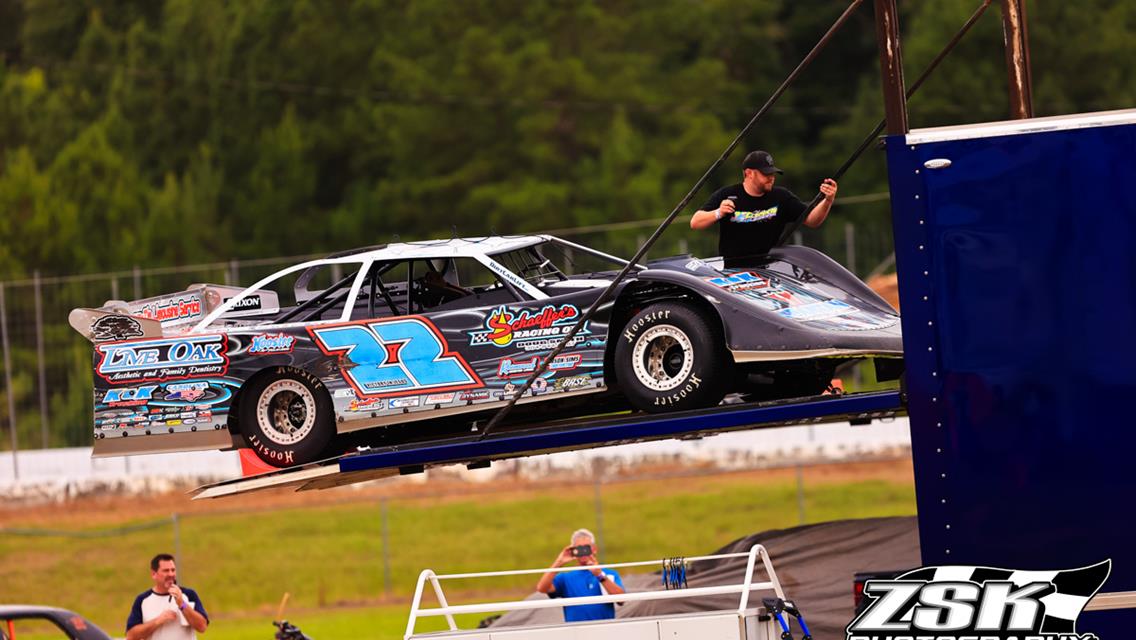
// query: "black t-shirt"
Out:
[757,222]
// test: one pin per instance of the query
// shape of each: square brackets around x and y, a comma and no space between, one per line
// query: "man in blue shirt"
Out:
[583,582]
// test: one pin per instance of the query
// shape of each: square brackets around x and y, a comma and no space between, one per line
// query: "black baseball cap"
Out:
[760,160]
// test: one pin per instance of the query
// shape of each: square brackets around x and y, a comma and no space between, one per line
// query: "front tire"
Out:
[287,417]
[670,357]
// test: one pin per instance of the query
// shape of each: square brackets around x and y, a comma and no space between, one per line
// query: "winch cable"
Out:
[606,293]
[792,227]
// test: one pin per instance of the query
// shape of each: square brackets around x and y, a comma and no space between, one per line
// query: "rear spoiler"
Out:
[151,317]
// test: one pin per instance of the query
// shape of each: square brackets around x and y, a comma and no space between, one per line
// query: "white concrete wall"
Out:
[65,472]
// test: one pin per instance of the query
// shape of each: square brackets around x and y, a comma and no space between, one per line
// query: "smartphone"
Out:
[581,551]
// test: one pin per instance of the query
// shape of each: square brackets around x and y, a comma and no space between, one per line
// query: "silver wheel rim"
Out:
[286,412]
[663,357]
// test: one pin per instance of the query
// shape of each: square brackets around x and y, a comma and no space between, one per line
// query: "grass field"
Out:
[329,555]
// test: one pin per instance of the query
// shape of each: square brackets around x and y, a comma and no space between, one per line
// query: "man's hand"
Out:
[726,208]
[178,596]
[588,561]
[169,615]
[828,188]
[564,558]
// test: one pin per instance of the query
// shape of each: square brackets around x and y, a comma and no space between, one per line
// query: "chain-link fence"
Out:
[46,396]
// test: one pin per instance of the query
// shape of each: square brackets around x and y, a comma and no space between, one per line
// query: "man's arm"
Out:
[195,619]
[612,587]
[147,629]
[544,585]
[706,218]
[820,212]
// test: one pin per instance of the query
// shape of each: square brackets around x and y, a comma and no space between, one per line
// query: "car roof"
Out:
[454,247]
[31,610]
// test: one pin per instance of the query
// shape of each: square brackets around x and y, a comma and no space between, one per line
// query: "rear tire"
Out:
[670,357]
[287,417]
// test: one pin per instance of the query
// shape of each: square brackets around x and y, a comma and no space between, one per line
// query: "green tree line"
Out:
[167,132]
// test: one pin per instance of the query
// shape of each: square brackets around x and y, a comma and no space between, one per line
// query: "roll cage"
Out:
[377,285]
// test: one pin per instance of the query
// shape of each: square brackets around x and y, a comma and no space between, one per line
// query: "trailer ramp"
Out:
[584,433]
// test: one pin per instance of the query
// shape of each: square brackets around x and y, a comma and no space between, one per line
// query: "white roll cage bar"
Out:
[445,609]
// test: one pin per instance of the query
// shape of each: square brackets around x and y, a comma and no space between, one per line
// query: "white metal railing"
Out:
[445,609]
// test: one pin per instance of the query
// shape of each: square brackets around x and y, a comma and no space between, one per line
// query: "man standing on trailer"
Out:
[752,215]
[580,583]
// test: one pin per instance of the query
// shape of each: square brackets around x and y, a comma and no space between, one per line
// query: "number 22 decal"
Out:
[395,357]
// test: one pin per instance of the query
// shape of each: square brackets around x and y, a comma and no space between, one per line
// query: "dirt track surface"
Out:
[94,512]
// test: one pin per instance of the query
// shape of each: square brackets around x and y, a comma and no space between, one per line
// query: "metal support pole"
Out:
[137,282]
[850,246]
[40,360]
[1016,37]
[386,548]
[800,494]
[177,546]
[233,277]
[8,382]
[597,466]
[891,66]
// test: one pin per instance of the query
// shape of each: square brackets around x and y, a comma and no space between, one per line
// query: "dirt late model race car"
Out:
[420,338]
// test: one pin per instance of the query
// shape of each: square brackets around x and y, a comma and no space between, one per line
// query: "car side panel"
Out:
[377,371]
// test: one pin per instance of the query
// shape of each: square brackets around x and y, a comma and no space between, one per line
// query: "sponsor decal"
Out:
[186,391]
[522,329]
[402,403]
[440,398]
[572,382]
[539,386]
[109,328]
[205,415]
[695,265]
[343,393]
[400,356]
[742,281]
[129,397]
[469,396]
[271,343]
[248,303]
[754,216]
[565,362]
[509,368]
[189,421]
[978,603]
[172,310]
[817,310]
[367,404]
[163,359]
[509,276]
[173,423]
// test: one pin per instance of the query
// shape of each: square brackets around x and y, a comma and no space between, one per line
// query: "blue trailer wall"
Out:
[1017,274]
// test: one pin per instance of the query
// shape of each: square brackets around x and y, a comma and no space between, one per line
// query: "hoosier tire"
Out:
[670,357]
[287,417]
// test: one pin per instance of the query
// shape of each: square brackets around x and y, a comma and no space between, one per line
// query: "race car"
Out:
[407,341]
